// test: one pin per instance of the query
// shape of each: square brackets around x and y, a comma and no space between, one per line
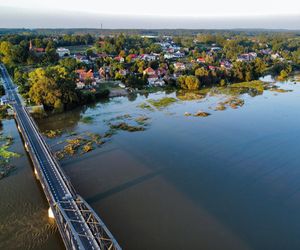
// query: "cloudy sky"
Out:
[275,14]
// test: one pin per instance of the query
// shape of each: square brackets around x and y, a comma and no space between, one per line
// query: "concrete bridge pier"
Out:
[26,146]
[36,174]
[50,213]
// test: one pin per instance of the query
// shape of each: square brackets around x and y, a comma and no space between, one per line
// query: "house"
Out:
[133,57]
[104,72]
[80,85]
[149,71]
[122,72]
[201,60]
[169,56]
[161,72]
[62,52]
[179,54]
[152,79]
[81,58]
[247,57]
[119,59]
[34,49]
[171,50]
[148,57]
[266,51]
[226,64]
[84,76]
[158,82]
[215,49]
[276,56]
[179,66]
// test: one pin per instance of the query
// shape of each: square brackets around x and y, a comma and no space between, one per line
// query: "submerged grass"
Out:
[52,133]
[87,119]
[80,145]
[126,127]
[145,106]
[163,102]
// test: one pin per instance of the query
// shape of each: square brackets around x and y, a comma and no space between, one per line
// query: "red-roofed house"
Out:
[201,60]
[37,50]
[149,71]
[179,66]
[119,59]
[84,76]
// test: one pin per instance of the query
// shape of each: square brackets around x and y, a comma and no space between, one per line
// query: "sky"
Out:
[276,14]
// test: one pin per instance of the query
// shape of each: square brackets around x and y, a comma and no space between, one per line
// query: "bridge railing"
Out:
[58,168]
[104,237]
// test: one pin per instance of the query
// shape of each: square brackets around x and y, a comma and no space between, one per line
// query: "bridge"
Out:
[80,227]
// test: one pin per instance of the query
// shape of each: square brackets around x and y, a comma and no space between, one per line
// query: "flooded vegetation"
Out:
[52,133]
[6,155]
[162,102]
[79,145]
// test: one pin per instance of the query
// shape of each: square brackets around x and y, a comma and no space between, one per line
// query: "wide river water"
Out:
[227,181]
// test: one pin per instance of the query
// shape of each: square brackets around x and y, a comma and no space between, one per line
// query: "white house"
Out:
[148,57]
[179,66]
[63,52]
[169,56]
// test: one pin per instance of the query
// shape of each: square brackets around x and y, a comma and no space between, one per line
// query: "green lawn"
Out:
[78,49]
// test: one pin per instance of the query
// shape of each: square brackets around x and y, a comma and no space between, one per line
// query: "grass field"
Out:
[78,49]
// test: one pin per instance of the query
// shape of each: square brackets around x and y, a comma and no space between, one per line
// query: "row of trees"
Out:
[129,44]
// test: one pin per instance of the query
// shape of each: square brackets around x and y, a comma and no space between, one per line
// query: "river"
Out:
[226,181]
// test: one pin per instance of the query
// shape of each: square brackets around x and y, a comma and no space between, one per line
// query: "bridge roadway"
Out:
[70,210]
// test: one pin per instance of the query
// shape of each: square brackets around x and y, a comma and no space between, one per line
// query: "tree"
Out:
[154,65]
[43,89]
[53,87]
[283,75]
[192,83]
[122,53]
[69,63]
[6,53]
[188,82]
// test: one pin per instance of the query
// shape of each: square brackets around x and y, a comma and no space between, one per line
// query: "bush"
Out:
[189,82]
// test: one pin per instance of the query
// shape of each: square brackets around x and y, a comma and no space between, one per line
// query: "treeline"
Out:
[14,48]
[129,44]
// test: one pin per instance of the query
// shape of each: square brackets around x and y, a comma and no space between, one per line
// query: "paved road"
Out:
[55,183]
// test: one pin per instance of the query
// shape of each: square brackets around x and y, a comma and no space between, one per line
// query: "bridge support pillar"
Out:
[36,174]
[50,213]
[26,146]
